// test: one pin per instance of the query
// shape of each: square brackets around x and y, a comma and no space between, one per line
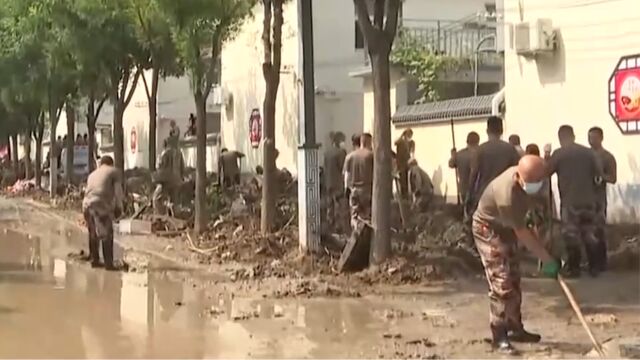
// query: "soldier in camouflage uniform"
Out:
[609,176]
[499,223]
[101,204]
[358,170]
[579,173]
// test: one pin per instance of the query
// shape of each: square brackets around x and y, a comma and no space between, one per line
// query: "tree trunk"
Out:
[118,137]
[71,135]
[200,223]
[39,162]
[14,153]
[271,72]
[268,185]
[153,118]
[53,160]
[27,156]
[91,128]
[382,192]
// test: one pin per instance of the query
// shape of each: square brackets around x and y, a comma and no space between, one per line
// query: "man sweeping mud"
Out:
[358,170]
[101,205]
[499,224]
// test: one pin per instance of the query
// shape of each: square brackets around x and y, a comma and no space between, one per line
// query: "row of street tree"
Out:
[82,55]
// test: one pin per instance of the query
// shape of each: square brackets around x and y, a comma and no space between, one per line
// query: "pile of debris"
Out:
[21,186]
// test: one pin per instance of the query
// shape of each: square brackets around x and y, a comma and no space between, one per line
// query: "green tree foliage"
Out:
[422,63]
[161,58]
[200,28]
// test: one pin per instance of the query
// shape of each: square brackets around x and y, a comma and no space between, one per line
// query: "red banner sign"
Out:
[624,94]
[255,128]
[134,140]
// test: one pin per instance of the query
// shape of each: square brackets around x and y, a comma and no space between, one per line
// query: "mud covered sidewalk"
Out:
[170,305]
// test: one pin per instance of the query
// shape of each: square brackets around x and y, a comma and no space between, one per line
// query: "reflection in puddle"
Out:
[53,308]
[94,313]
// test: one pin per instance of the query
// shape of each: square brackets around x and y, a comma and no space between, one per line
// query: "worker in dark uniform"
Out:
[492,159]
[579,174]
[229,167]
[334,158]
[461,160]
[358,170]
[499,224]
[405,147]
[609,176]
[102,203]
[515,141]
[170,175]
[420,186]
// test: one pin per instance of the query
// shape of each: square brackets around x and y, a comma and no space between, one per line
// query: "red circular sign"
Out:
[624,94]
[134,140]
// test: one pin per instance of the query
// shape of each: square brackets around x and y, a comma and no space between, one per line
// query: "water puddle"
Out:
[53,308]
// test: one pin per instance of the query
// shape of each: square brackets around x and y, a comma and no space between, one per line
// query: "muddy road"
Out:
[51,307]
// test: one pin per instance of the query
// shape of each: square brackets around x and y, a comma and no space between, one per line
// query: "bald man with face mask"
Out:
[499,223]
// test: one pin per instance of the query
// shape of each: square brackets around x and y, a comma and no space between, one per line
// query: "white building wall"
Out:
[572,86]
[242,80]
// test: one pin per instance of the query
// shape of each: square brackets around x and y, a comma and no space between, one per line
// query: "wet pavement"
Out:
[53,308]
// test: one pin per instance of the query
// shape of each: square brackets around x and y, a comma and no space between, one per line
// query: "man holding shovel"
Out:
[102,203]
[499,223]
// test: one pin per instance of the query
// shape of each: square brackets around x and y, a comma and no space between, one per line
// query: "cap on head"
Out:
[106,160]
[494,125]
[224,150]
[473,138]
[531,168]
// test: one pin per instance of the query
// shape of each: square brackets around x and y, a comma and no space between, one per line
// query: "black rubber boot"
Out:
[573,263]
[500,341]
[523,336]
[107,252]
[94,253]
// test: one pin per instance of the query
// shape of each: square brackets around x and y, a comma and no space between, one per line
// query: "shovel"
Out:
[576,309]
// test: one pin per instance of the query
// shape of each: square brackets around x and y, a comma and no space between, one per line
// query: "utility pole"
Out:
[308,159]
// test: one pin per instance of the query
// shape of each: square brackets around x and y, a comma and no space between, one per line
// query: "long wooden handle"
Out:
[576,309]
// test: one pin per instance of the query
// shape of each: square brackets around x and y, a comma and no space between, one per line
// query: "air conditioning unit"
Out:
[533,38]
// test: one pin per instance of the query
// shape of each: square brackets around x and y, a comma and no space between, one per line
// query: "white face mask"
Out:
[532,188]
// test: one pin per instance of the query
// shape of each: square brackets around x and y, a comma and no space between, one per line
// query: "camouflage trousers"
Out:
[335,211]
[498,250]
[360,207]
[579,225]
[100,228]
[601,234]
